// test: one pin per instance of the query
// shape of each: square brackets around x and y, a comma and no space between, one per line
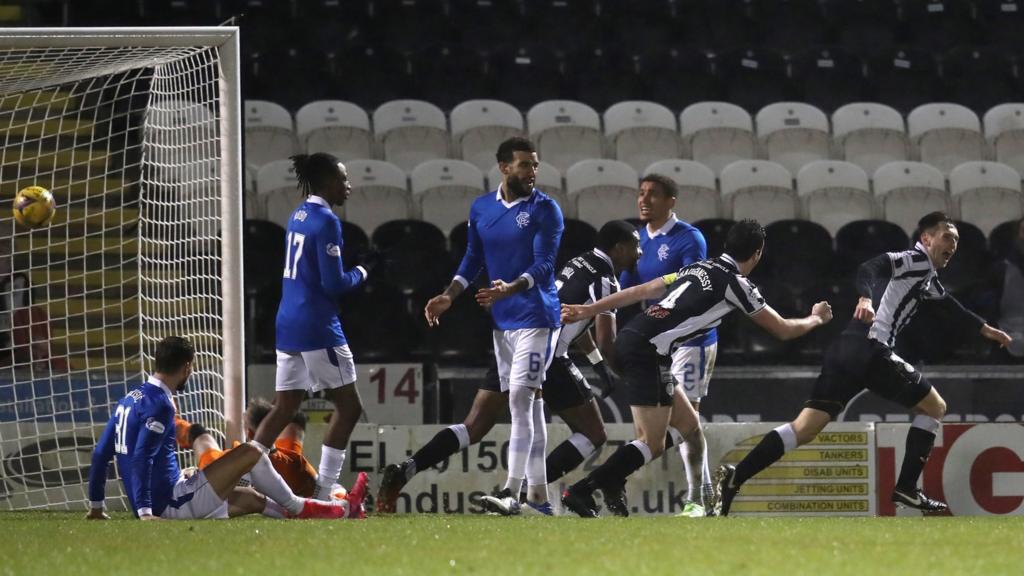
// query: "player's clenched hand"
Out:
[822,310]
[864,311]
[97,514]
[996,335]
[499,289]
[576,312]
[435,307]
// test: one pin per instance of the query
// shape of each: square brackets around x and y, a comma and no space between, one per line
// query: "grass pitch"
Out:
[65,543]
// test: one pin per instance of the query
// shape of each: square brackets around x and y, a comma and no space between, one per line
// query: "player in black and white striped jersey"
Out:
[892,286]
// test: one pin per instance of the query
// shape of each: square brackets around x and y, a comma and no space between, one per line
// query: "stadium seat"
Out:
[577,238]
[664,23]
[834,193]
[411,132]
[458,238]
[355,244]
[793,134]
[909,190]
[549,181]
[828,77]
[269,134]
[380,193]
[1001,22]
[604,75]
[485,22]
[448,73]
[986,193]
[264,244]
[979,77]
[864,239]
[1002,237]
[717,133]
[384,335]
[371,74]
[758,189]
[698,197]
[946,135]
[641,133]
[416,255]
[602,190]
[788,25]
[565,132]
[936,25]
[679,77]
[445,189]
[870,135]
[479,126]
[754,77]
[865,27]
[334,126]
[732,22]
[518,73]
[273,73]
[1004,129]
[409,235]
[969,266]
[798,254]
[714,231]
[905,79]
[407,24]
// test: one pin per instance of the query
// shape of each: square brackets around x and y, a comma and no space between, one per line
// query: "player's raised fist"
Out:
[864,311]
[823,310]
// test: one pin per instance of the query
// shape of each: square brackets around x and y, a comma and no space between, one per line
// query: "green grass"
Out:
[64,543]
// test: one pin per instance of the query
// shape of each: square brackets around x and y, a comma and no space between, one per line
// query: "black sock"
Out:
[919,445]
[562,460]
[767,452]
[441,446]
[613,473]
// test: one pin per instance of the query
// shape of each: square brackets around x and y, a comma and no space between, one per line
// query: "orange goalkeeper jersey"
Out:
[289,462]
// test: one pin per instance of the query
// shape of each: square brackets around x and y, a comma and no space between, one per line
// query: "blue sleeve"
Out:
[472,260]
[101,456]
[152,431]
[694,249]
[545,244]
[627,279]
[333,278]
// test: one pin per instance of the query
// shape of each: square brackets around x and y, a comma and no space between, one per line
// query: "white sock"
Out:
[332,460]
[520,441]
[644,449]
[268,482]
[582,444]
[536,467]
[693,472]
[274,510]
[788,436]
[926,422]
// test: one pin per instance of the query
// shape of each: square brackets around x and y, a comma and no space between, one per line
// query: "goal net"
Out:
[136,133]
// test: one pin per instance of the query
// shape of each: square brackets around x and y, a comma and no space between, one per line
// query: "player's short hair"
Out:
[314,171]
[744,239]
[172,353]
[614,232]
[668,186]
[514,144]
[930,221]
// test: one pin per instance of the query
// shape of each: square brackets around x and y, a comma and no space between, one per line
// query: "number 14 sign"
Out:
[392,393]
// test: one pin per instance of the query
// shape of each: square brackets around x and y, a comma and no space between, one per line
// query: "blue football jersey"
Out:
[314,279]
[675,245]
[513,240]
[140,434]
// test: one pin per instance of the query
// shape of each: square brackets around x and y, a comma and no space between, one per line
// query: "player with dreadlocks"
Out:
[312,353]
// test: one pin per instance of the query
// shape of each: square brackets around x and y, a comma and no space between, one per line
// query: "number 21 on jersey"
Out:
[291,265]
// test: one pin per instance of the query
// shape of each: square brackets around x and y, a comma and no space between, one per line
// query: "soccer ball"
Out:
[34,207]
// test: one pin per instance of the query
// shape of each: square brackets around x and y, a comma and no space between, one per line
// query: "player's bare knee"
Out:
[597,436]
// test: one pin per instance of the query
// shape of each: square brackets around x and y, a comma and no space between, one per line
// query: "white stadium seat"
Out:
[758,189]
[987,193]
[549,181]
[278,192]
[870,135]
[793,134]
[909,190]
[603,190]
[946,135]
[1004,129]
[565,132]
[269,134]
[411,132]
[642,132]
[337,127]
[479,126]
[698,195]
[380,194]
[834,193]
[445,189]
[718,133]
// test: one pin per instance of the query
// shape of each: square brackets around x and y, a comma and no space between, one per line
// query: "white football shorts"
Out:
[524,355]
[195,499]
[315,370]
[692,367]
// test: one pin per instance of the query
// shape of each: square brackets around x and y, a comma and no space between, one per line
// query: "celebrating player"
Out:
[669,244]
[515,231]
[693,300]
[312,352]
[140,434]
[586,278]
[895,284]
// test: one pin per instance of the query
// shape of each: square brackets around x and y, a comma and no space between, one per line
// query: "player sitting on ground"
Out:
[140,434]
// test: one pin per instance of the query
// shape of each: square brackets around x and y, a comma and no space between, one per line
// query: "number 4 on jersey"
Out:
[669,301]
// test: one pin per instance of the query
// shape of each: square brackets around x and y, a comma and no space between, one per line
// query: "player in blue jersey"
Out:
[140,435]
[669,244]
[312,352]
[515,232]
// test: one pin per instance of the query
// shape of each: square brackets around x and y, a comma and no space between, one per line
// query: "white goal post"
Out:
[137,132]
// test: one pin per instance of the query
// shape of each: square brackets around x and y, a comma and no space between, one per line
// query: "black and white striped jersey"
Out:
[585,279]
[897,283]
[699,296]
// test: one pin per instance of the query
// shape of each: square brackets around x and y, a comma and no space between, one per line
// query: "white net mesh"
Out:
[128,141]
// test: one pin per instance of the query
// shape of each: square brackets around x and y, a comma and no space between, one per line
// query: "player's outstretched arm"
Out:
[101,456]
[789,328]
[996,335]
[647,291]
